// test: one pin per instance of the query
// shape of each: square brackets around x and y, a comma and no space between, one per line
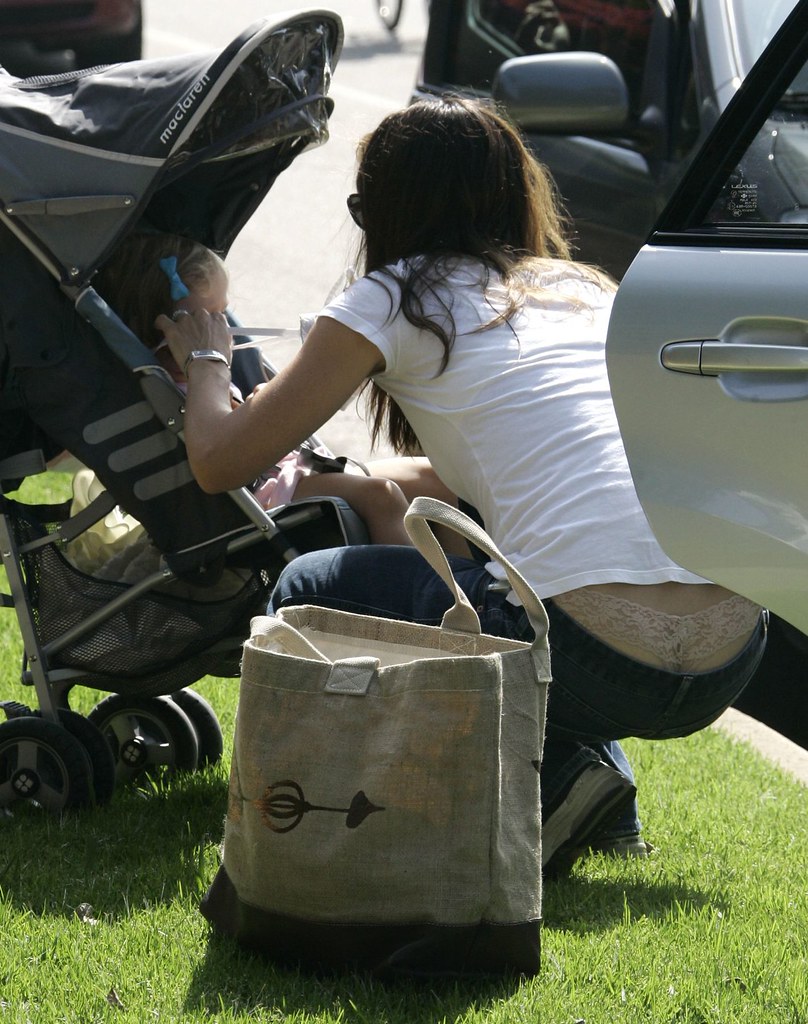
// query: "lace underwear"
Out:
[697,642]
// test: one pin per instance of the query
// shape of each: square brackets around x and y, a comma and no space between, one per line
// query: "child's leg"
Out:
[379,503]
[416,477]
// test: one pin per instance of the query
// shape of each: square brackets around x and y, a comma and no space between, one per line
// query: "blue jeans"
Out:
[597,695]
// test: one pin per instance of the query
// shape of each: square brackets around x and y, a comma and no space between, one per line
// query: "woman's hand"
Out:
[228,448]
[186,332]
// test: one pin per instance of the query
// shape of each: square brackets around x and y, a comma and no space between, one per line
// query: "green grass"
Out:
[713,927]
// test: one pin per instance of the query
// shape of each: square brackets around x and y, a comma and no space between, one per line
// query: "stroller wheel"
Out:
[204,720]
[43,763]
[98,750]
[146,734]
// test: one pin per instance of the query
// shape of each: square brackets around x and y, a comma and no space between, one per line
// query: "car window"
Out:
[620,29]
[750,178]
[769,185]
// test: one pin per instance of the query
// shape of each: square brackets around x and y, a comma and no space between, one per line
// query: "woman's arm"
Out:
[227,447]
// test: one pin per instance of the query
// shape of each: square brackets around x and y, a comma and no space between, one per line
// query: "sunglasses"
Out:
[355,209]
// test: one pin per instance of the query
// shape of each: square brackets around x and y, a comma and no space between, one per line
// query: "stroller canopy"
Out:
[188,144]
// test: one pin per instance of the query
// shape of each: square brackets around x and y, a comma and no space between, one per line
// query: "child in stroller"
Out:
[154,273]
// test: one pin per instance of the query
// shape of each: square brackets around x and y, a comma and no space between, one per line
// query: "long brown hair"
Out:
[450,178]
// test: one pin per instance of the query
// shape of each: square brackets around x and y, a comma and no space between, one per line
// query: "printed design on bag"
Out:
[284,801]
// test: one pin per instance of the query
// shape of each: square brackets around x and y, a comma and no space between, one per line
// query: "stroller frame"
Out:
[187,145]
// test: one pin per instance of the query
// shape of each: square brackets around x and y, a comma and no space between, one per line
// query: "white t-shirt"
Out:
[520,423]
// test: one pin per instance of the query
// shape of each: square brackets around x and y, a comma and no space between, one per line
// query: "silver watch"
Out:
[211,354]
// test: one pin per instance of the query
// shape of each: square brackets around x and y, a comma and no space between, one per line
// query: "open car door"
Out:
[708,346]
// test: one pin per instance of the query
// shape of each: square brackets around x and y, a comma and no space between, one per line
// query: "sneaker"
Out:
[596,797]
[627,847]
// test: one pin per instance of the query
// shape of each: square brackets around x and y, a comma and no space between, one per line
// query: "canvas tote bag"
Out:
[384,808]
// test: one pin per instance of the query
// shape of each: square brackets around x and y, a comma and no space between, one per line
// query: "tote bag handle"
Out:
[271,628]
[461,617]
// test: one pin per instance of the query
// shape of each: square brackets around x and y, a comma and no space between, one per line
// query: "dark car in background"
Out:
[614,96]
[35,35]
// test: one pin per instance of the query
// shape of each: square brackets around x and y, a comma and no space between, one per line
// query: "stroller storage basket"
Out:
[149,646]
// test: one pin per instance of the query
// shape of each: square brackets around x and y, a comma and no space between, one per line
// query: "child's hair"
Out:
[138,290]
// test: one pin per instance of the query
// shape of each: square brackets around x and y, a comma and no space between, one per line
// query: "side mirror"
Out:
[563,93]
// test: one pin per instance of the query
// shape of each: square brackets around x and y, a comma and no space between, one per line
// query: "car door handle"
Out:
[712,358]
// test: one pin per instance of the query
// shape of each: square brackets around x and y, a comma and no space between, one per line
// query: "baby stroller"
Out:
[188,145]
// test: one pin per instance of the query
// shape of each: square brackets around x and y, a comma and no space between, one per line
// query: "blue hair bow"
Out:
[169,268]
